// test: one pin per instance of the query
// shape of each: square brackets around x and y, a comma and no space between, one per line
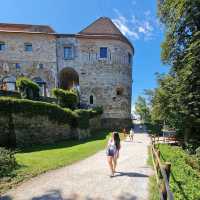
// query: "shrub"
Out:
[66,98]
[28,88]
[85,115]
[7,161]
[33,108]
[198,153]
[83,118]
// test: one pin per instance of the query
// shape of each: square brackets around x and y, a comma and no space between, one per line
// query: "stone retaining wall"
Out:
[20,130]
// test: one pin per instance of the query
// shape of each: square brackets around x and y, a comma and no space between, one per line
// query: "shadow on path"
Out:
[130,174]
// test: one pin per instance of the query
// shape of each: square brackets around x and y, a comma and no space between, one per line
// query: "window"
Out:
[28,47]
[103,52]
[18,66]
[2,46]
[68,52]
[119,91]
[129,58]
[91,99]
[41,66]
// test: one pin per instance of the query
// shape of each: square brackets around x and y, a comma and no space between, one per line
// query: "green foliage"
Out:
[28,88]
[66,98]
[184,180]
[83,118]
[33,108]
[198,153]
[85,115]
[142,109]
[7,162]
[176,99]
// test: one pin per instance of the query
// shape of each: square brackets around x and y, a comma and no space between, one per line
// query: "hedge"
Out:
[85,115]
[28,88]
[77,118]
[66,98]
[31,108]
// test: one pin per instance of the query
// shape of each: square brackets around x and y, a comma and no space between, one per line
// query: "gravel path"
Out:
[89,179]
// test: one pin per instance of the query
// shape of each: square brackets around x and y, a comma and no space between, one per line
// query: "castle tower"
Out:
[99,59]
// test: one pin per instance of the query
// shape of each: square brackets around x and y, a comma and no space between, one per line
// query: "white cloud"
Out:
[123,24]
[143,26]
[125,29]
[141,29]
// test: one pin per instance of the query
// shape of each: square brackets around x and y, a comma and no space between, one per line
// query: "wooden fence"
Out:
[162,172]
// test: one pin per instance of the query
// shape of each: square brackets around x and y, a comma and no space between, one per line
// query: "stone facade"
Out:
[101,81]
[40,62]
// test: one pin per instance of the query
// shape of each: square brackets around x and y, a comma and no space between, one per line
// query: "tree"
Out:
[142,109]
[178,94]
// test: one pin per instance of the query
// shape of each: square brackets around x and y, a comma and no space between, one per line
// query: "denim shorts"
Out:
[110,152]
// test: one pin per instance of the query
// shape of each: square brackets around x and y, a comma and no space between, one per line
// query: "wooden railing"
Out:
[162,172]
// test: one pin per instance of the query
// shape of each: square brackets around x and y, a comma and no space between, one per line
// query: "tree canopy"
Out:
[176,100]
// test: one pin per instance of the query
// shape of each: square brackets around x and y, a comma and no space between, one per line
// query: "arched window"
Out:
[91,99]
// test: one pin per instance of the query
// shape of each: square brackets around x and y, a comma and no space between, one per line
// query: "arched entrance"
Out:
[68,79]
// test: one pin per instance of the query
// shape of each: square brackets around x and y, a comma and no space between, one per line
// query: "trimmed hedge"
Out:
[66,99]
[77,118]
[31,108]
[28,88]
[85,115]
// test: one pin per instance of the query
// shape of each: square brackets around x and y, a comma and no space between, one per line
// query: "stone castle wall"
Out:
[24,131]
[43,52]
[101,77]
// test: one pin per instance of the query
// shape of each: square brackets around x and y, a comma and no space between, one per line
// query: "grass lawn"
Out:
[184,180]
[39,159]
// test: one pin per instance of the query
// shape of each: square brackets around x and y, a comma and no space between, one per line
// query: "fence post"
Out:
[163,191]
[168,169]
[158,152]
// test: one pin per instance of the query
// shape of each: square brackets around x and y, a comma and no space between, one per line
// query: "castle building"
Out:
[97,61]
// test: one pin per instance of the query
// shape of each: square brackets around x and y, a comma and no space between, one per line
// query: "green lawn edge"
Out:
[40,159]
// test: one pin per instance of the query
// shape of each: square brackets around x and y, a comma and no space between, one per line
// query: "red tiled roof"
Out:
[102,26]
[25,28]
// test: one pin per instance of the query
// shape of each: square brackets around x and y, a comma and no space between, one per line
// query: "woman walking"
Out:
[113,152]
[131,134]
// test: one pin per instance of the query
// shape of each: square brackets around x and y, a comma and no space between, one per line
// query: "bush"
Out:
[198,153]
[83,118]
[32,108]
[85,115]
[28,88]
[7,161]
[66,99]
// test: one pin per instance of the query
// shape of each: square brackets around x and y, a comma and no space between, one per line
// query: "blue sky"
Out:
[136,19]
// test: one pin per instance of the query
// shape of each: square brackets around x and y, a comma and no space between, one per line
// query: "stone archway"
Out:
[68,78]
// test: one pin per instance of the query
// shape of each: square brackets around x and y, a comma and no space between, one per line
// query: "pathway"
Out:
[89,179]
